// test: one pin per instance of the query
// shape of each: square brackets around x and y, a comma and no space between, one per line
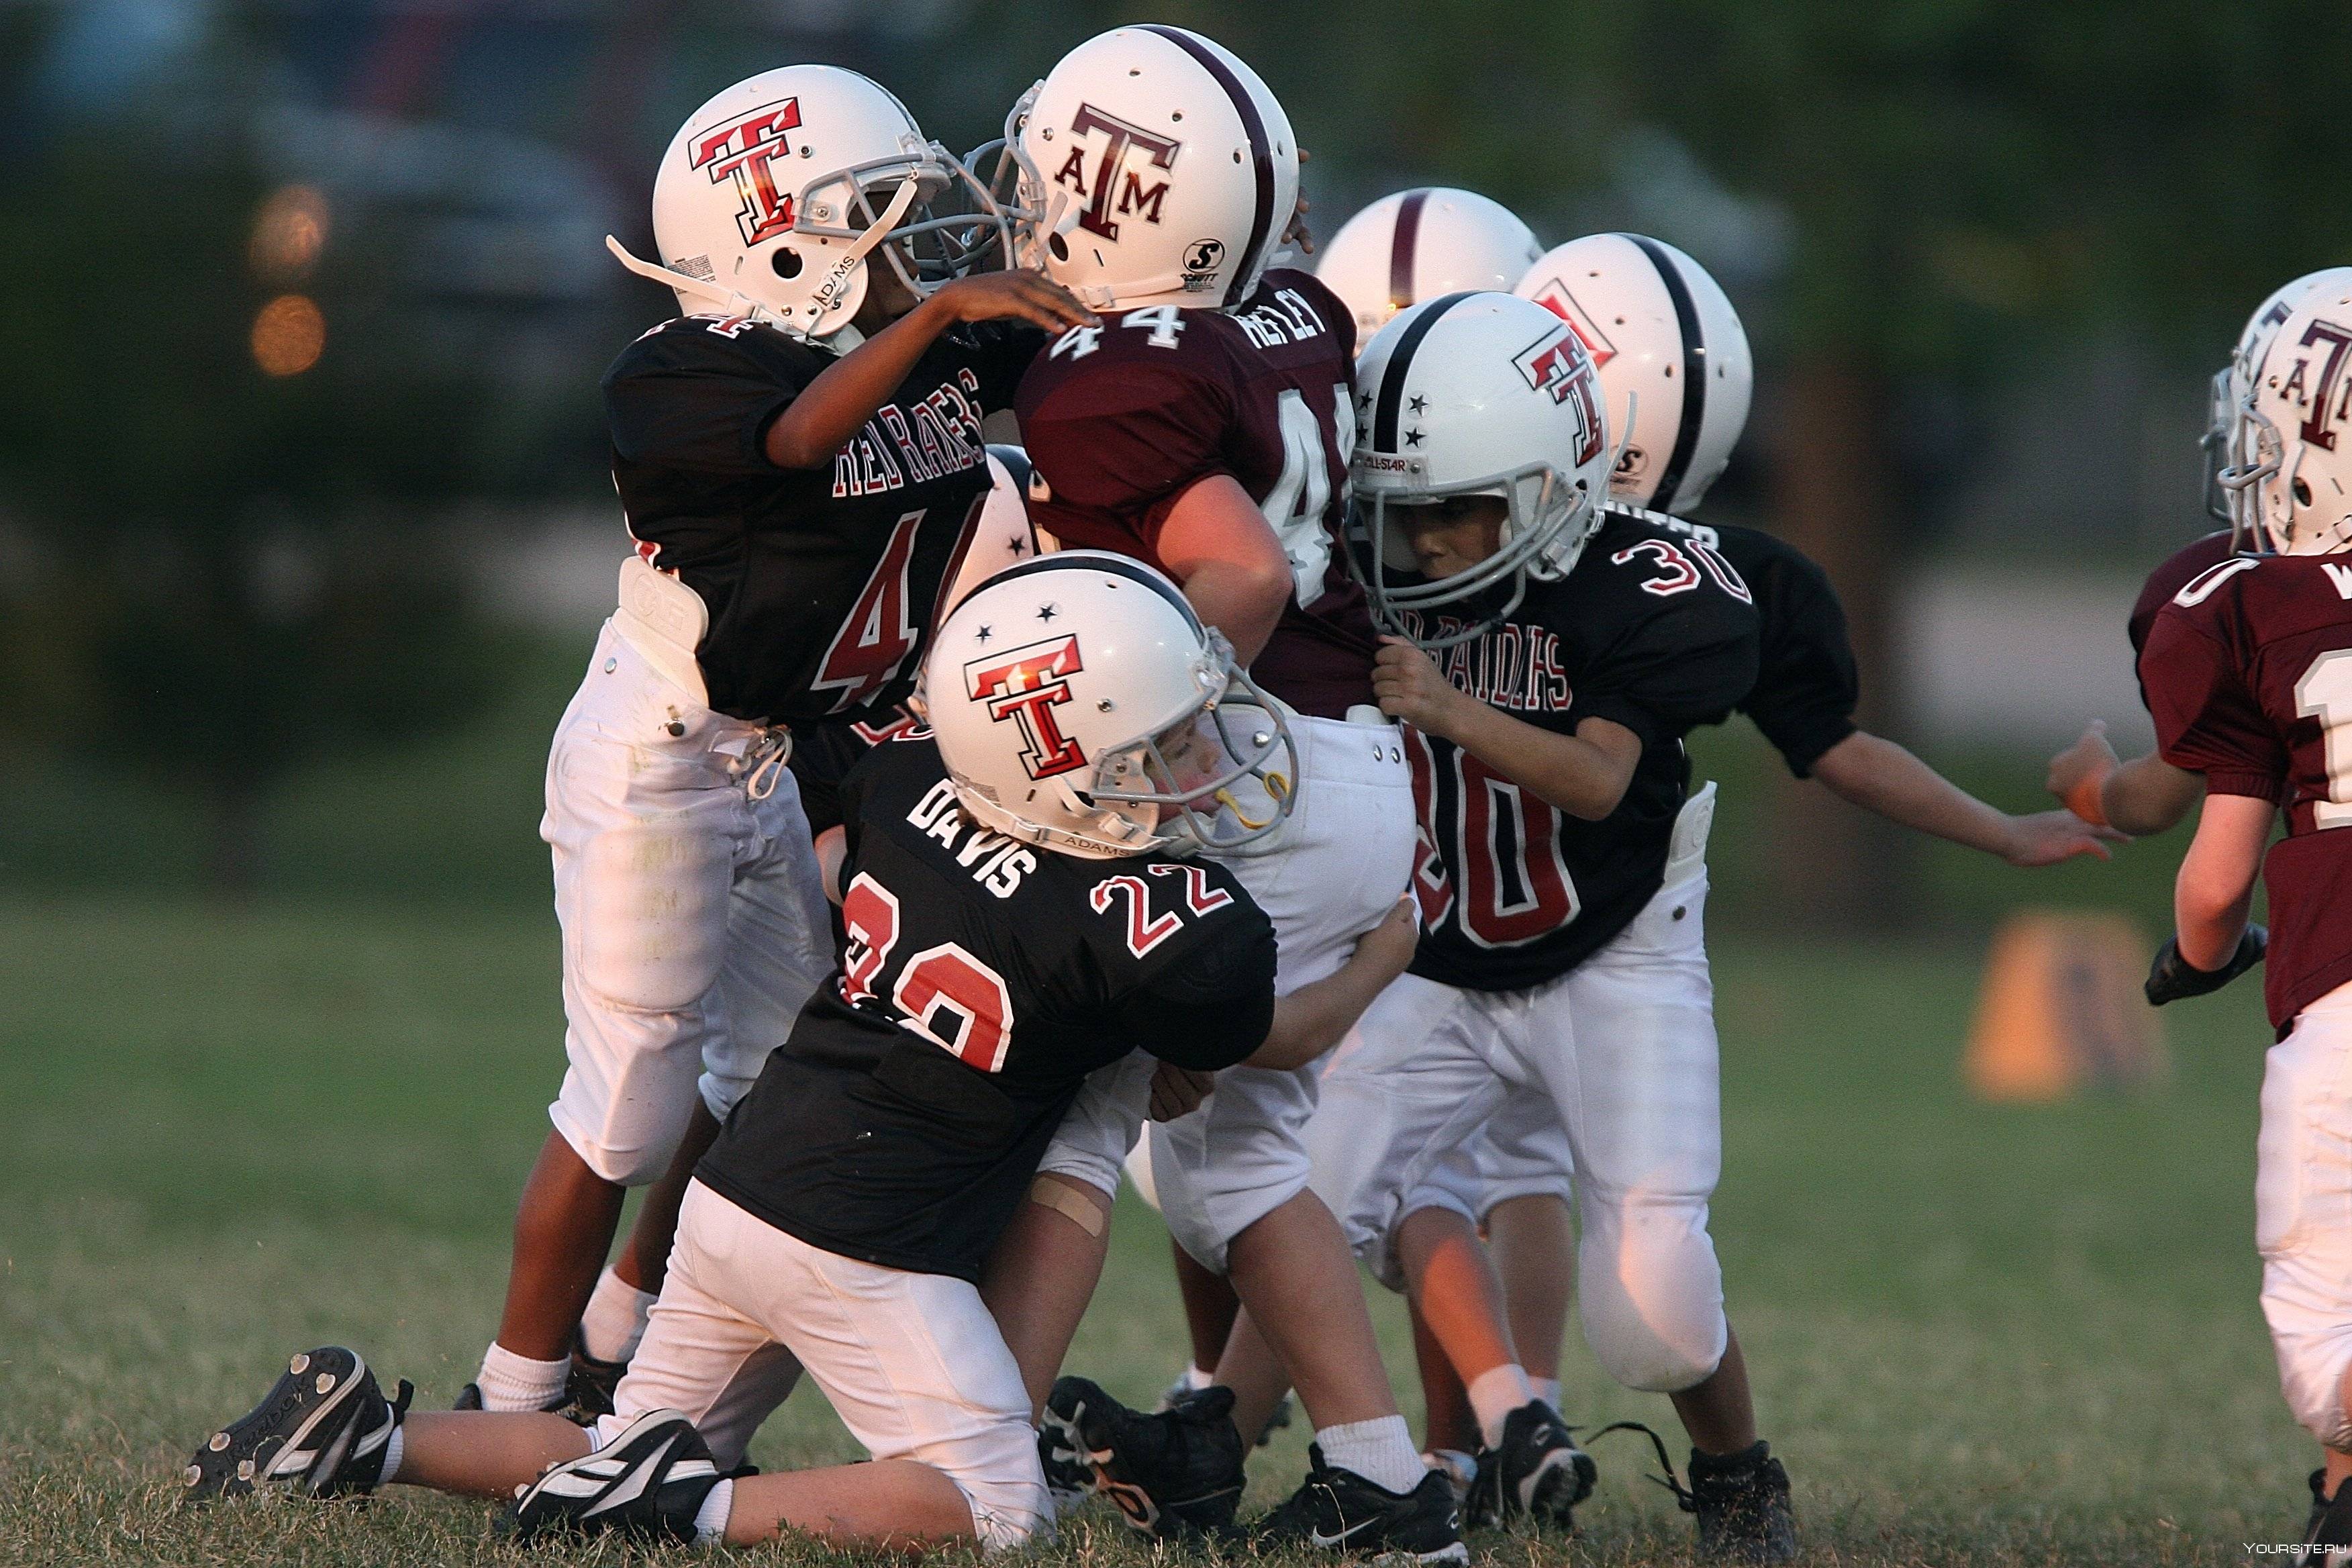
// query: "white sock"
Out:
[710,1519]
[1379,1450]
[615,1319]
[393,1448]
[1548,1390]
[1494,1394]
[512,1382]
[1196,1380]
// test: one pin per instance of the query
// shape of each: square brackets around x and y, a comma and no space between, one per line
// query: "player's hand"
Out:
[2046,838]
[2079,773]
[2171,976]
[1019,296]
[1177,1091]
[1410,686]
[1391,943]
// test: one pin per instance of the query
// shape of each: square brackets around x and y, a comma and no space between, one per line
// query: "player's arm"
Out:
[832,407]
[2144,795]
[1584,775]
[832,854]
[1880,776]
[2216,884]
[1220,549]
[1311,1019]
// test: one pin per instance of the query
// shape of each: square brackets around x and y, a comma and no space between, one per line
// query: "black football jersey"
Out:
[1653,630]
[822,582]
[1120,420]
[1807,686]
[983,980]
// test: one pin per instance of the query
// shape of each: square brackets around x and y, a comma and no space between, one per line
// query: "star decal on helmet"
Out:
[1046,612]
[1417,403]
[1413,437]
[984,634]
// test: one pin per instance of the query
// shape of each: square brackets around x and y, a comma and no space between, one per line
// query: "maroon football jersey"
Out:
[2249,675]
[2171,574]
[1120,420]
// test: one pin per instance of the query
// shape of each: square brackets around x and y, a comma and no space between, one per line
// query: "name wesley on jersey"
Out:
[1512,666]
[936,437]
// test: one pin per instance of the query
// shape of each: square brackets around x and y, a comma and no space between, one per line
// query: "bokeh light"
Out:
[287,234]
[288,335]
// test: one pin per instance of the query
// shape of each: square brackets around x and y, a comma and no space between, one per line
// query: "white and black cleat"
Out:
[1536,1472]
[322,1431]
[649,1483]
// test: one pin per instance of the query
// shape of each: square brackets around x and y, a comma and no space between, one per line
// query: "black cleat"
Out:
[1339,1510]
[2327,1535]
[1536,1472]
[1182,1389]
[1069,1476]
[649,1483]
[1742,1503]
[1176,1473]
[321,1430]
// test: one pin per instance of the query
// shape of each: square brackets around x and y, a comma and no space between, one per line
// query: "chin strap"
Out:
[828,292]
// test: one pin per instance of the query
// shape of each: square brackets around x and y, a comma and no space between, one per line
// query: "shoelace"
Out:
[1684,1496]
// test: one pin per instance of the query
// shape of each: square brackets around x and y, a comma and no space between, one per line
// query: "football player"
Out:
[2148,795]
[1205,427]
[2248,672]
[800,461]
[1020,908]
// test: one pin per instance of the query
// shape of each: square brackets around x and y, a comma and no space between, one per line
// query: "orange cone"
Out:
[2062,1010]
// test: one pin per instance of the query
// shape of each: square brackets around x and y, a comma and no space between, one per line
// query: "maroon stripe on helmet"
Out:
[1402,242]
[1261,149]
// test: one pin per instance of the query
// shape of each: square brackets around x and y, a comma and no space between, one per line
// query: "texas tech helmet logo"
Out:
[742,150]
[1557,362]
[1554,297]
[1025,685]
[1126,173]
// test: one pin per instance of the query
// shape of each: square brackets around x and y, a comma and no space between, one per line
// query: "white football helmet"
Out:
[2289,478]
[1672,354]
[2235,379]
[1080,704]
[1155,169]
[1419,244]
[1481,394]
[774,193]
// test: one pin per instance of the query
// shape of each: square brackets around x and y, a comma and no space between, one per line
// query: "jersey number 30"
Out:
[943,993]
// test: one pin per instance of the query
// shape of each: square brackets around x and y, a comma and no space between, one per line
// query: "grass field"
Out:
[1980,1335]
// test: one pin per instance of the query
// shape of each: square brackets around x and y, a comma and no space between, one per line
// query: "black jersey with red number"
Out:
[983,979]
[2248,671]
[821,582]
[1806,682]
[1121,419]
[1653,630]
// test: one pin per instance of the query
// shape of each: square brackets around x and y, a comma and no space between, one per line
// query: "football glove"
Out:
[2171,976]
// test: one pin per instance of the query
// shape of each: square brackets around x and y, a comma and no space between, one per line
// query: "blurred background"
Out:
[304,521]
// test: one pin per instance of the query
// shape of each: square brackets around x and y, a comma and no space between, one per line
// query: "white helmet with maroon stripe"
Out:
[1477,394]
[1419,244]
[2290,471]
[1156,169]
[1080,704]
[2232,382]
[774,195]
[1671,353]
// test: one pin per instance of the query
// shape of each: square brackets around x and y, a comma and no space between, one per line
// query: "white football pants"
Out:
[1621,1054]
[1343,861]
[2302,1212]
[694,924]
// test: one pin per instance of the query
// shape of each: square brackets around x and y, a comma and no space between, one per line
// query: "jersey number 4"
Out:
[943,993]
[865,653]
[1294,508]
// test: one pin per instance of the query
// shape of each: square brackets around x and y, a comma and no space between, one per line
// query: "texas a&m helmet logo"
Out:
[2332,341]
[742,150]
[1137,191]
[1025,685]
[1558,363]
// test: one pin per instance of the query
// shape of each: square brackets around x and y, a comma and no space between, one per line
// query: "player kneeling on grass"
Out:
[839,1222]
[2248,672]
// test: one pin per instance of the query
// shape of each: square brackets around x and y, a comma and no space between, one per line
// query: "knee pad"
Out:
[2312,1334]
[652,915]
[1650,1294]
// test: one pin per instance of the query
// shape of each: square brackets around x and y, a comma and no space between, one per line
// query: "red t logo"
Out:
[1025,685]
[742,151]
[1557,362]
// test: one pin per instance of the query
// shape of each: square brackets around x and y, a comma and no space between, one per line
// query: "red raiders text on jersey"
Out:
[1121,419]
[1651,630]
[2248,671]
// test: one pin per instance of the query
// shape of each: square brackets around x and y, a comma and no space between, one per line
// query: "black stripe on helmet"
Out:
[1261,148]
[1678,460]
[1391,398]
[1109,564]
[1402,243]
